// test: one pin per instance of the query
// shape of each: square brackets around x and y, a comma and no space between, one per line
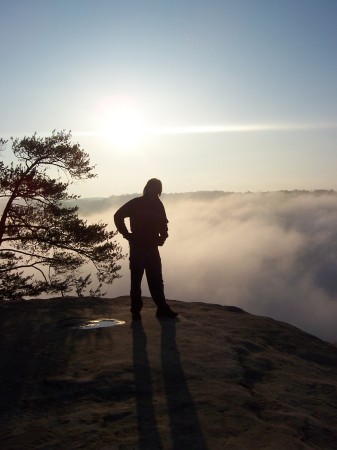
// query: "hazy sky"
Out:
[206,95]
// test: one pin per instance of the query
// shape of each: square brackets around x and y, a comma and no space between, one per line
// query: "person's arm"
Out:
[119,219]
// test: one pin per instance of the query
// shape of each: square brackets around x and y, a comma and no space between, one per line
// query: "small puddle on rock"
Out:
[99,323]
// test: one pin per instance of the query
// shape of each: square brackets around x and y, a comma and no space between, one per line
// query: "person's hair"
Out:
[153,187]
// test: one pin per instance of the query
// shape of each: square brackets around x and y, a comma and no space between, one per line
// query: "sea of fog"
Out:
[272,254]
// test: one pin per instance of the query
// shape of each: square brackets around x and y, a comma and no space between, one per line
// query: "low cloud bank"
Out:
[272,254]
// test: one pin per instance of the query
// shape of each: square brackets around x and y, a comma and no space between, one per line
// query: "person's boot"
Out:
[166,311]
[135,314]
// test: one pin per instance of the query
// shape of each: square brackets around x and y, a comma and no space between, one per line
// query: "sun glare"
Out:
[121,121]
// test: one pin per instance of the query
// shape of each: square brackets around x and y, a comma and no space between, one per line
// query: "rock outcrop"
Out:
[215,378]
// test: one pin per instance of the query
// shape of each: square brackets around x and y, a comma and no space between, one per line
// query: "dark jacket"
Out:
[148,221]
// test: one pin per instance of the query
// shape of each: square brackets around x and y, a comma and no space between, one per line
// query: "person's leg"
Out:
[153,270]
[136,273]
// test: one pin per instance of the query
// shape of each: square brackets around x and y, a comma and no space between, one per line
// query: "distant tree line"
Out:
[89,206]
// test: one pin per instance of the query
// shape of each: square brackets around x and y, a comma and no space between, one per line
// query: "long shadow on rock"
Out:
[149,437]
[185,426]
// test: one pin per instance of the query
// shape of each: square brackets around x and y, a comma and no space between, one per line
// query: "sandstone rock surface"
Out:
[215,378]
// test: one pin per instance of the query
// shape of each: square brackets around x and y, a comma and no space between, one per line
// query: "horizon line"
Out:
[220,191]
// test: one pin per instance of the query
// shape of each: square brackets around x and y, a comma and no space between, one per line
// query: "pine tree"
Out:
[43,242]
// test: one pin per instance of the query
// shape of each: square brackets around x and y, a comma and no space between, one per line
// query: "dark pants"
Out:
[148,260]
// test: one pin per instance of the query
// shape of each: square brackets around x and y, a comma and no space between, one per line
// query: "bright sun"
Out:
[120,120]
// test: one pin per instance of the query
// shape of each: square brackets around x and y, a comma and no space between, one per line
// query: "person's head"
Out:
[153,187]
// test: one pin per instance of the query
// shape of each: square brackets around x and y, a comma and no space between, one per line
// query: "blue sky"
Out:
[206,95]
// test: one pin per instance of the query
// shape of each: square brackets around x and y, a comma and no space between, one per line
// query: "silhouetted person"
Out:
[148,225]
